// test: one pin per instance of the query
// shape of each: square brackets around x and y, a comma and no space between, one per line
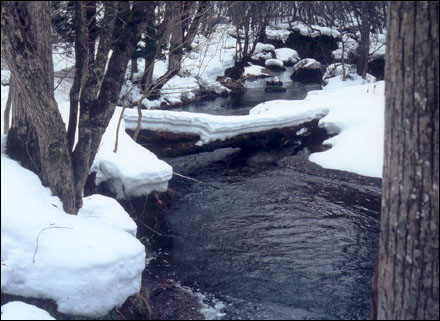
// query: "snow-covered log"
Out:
[169,144]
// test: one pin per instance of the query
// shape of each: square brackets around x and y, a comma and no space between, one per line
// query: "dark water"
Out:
[272,235]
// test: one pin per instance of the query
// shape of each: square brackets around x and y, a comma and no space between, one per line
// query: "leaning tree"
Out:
[38,137]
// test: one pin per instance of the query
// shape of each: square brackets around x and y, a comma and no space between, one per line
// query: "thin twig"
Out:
[46,228]
[187,177]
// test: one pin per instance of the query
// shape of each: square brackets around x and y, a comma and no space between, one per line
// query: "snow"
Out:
[209,59]
[261,47]
[84,263]
[287,55]
[21,311]
[376,50]
[355,114]
[274,62]
[275,33]
[92,262]
[62,60]
[133,170]
[315,31]
[358,116]
[179,87]
[214,127]
[87,263]
[255,71]
[350,47]
[333,75]
[307,63]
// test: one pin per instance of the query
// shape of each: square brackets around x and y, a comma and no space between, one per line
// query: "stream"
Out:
[269,234]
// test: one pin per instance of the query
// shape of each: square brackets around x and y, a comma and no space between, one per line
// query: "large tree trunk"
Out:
[406,282]
[38,136]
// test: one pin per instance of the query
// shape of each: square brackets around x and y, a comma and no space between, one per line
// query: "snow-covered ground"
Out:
[88,263]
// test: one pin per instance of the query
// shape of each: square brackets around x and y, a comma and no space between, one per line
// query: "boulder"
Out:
[263,52]
[307,71]
[288,56]
[274,65]
[317,47]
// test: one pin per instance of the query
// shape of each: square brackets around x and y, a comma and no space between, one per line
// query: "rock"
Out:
[288,56]
[274,64]
[318,47]
[262,53]
[272,89]
[376,67]
[307,71]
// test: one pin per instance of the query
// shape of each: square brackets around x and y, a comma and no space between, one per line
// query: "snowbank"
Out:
[355,114]
[21,311]
[333,77]
[87,263]
[133,170]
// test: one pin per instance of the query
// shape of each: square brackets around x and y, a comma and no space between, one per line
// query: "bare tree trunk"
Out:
[200,16]
[7,113]
[364,45]
[101,90]
[406,282]
[38,138]
[82,57]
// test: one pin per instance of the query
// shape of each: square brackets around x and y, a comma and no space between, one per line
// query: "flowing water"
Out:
[240,104]
[272,235]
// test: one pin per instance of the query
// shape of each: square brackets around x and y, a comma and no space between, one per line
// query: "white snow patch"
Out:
[17,310]
[307,63]
[133,170]
[255,71]
[274,62]
[86,266]
[287,55]
[214,127]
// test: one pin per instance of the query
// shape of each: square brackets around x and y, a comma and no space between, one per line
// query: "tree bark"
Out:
[82,57]
[38,136]
[406,281]
[364,45]
[7,113]
[102,88]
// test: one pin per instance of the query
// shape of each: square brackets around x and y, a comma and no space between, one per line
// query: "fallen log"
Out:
[169,144]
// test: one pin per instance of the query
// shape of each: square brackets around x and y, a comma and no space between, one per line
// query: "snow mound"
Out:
[84,263]
[287,55]
[17,310]
[133,170]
